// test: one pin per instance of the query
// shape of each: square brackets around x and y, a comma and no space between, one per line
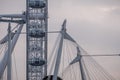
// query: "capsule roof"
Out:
[37,4]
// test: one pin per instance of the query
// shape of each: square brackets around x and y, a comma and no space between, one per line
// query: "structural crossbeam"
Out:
[13,21]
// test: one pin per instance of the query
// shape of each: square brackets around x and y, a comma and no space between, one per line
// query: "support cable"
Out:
[101,55]
[70,67]
[69,62]
[15,27]
[71,52]
[102,68]
[86,70]
[54,48]
[53,55]
[100,71]
[94,70]
[92,74]
[103,71]
[2,49]
[102,75]
[15,66]
[3,63]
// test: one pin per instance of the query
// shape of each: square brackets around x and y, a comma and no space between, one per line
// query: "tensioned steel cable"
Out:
[91,72]
[2,48]
[95,63]
[96,70]
[54,48]
[15,66]
[102,70]
[66,69]
[69,50]
[86,70]
[53,55]
[68,61]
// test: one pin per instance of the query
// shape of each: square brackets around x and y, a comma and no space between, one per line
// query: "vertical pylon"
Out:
[9,56]
[59,52]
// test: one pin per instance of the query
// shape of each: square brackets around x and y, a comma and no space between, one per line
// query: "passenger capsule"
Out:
[37,62]
[36,33]
[35,48]
[39,16]
[50,77]
[35,25]
[37,3]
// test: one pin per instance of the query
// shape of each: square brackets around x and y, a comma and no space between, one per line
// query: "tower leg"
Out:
[9,56]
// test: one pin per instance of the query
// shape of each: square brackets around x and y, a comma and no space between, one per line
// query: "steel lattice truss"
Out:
[36,39]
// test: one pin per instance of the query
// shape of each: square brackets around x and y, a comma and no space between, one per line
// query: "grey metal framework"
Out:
[36,39]
[36,19]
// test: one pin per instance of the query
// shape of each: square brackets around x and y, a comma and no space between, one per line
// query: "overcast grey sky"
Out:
[95,24]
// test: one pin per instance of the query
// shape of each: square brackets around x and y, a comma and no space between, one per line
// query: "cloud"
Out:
[97,2]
